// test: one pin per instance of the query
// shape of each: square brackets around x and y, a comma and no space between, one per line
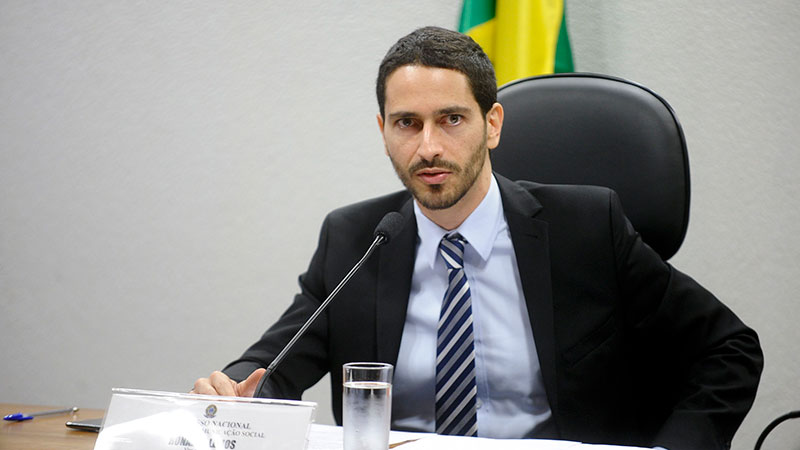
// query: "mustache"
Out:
[434,163]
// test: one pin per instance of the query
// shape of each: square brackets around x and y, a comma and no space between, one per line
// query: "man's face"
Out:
[435,134]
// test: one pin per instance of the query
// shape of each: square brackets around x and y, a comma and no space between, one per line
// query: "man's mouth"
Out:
[433,175]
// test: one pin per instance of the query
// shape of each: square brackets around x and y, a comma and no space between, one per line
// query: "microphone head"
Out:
[389,226]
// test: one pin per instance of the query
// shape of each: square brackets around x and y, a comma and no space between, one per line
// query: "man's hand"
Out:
[220,384]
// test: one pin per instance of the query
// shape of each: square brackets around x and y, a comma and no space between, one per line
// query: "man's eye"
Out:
[454,119]
[405,123]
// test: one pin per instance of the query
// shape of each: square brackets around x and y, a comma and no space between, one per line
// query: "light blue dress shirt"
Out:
[512,402]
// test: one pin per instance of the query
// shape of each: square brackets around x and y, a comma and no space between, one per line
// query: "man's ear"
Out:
[380,121]
[380,126]
[494,125]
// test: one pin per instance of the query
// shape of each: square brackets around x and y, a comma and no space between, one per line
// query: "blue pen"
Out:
[18,417]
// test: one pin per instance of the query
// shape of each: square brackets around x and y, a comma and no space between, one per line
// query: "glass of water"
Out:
[367,408]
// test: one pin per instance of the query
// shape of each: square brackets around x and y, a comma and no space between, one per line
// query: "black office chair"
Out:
[580,128]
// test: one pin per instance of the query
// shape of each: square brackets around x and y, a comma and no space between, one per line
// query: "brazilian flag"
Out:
[522,37]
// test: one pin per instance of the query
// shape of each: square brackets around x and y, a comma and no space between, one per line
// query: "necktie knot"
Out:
[451,248]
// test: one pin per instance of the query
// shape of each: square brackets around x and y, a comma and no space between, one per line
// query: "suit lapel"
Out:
[395,267]
[530,238]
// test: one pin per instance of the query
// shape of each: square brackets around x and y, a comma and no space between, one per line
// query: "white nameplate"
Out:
[170,421]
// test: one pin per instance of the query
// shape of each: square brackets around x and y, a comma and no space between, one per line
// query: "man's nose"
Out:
[430,145]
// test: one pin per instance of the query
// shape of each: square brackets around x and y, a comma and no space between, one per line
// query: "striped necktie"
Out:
[456,390]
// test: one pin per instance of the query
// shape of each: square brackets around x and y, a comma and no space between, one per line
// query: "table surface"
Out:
[45,431]
[50,432]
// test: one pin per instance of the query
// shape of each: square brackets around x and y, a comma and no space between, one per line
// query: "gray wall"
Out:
[165,166]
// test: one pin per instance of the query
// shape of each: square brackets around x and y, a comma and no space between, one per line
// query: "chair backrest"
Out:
[594,129]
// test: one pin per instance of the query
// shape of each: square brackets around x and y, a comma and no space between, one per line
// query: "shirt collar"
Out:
[479,229]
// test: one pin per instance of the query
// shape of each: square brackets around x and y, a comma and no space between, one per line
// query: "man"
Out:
[509,309]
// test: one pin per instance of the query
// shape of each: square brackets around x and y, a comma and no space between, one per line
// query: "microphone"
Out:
[389,226]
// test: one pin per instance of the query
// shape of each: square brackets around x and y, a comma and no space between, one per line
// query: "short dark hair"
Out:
[446,49]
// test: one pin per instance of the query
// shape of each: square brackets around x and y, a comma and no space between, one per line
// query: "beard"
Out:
[443,196]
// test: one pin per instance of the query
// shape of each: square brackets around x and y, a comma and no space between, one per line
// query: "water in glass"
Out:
[367,409]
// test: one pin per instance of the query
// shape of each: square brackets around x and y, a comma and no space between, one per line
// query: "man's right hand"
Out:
[220,384]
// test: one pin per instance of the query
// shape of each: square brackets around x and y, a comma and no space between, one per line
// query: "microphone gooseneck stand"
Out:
[389,225]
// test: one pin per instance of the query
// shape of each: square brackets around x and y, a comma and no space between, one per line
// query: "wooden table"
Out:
[45,432]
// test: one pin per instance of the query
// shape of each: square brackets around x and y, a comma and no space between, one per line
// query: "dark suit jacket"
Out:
[632,351]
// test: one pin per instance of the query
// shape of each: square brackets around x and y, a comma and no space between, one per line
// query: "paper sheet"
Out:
[327,437]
